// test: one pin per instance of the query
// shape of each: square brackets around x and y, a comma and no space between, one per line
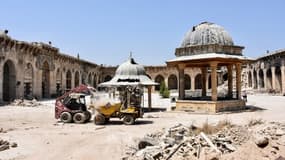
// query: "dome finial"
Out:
[131,55]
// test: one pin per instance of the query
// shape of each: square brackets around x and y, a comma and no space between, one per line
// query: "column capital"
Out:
[283,62]
[273,67]
[229,65]
[238,64]
[181,66]
[213,63]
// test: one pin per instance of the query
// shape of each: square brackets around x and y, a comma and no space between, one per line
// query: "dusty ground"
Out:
[40,136]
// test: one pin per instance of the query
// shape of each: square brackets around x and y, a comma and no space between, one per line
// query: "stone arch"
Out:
[107,78]
[28,81]
[187,81]
[58,82]
[89,78]
[9,81]
[45,80]
[254,79]
[68,80]
[278,81]
[172,82]
[158,79]
[261,78]
[198,81]
[94,80]
[76,79]
[269,78]
[249,79]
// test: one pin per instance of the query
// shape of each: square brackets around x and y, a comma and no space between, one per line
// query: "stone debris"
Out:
[2,130]
[261,141]
[25,103]
[4,145]
[191,142]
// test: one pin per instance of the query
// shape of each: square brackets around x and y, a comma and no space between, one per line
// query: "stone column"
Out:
[214,80]
[252,79]
[19,71]
[204,78]
[273,77]
[63,81]
[265,79]
[181,68]
[149,97]
[258,80]
[38,83]
[80,79]
[1,80]
[52,86]
[166,80]
[238,80]
[192,83]
[230,80]
[73,79]
[283,76]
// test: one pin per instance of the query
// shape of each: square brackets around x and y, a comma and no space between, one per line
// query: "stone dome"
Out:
[207,33]
[130,67]
[129,73]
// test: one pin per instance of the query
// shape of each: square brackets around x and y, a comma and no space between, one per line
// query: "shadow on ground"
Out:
[248,108]
[138,122]
[147,110]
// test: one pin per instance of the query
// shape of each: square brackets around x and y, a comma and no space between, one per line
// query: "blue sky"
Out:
[106,31]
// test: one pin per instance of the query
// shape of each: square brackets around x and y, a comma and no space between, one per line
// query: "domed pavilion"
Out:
[130,73]
[209,47]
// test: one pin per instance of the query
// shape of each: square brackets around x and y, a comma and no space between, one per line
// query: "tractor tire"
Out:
[129,119]
[66,117]
[88,116]
[79,117]
[99,119]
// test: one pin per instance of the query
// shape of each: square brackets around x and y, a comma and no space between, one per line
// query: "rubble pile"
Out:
[266,132]
[191,142]
[25,103]
[4,145]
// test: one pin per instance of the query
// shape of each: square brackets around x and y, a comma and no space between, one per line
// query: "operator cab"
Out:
[75,101]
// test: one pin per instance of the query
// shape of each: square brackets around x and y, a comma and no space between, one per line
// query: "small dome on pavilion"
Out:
[207,33]
[129,73]
[130,67]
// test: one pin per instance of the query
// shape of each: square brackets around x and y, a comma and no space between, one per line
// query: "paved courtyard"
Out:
[40,136]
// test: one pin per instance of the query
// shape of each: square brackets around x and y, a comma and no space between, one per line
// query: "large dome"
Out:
[207,33]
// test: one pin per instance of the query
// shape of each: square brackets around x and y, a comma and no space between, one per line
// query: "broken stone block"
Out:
[4,147]
[13,145]
[169,141]
[279,132]
[147,141]
[261,141]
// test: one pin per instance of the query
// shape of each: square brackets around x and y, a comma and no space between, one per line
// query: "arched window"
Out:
[198,81]
[172,82]
[158,79]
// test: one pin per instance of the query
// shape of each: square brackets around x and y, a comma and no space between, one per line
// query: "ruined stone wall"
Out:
[39,70]
[267,73]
